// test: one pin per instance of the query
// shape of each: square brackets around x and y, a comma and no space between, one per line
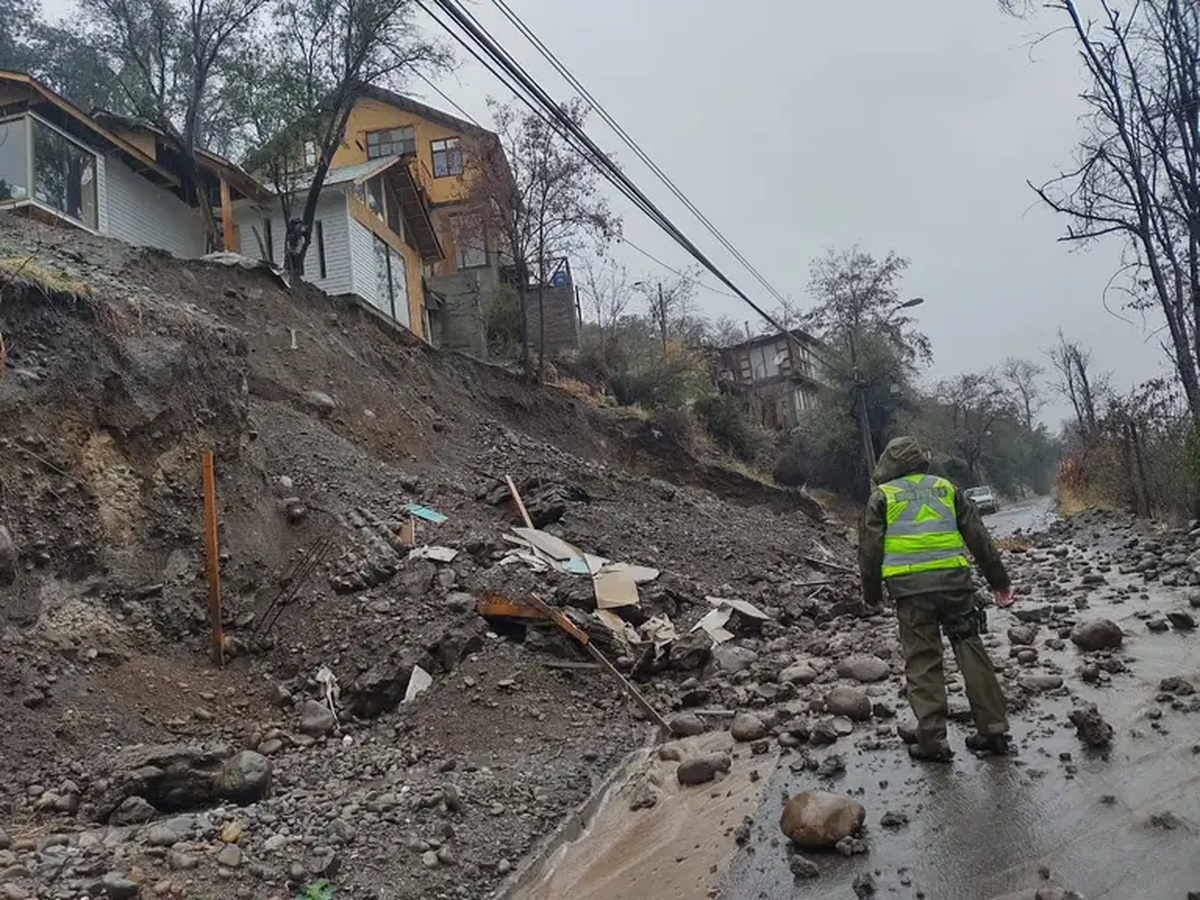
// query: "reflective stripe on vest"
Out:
[922,527]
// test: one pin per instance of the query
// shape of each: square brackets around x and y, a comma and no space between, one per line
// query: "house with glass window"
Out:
[773,376]
[108,176]
[393,227]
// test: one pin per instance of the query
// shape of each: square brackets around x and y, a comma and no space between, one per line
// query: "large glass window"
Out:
[64,174]
[392,142]
[14,165]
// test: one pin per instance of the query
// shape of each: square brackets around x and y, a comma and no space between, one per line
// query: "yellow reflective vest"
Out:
[922,526]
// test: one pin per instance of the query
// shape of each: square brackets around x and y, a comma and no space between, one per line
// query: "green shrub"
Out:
[502,320]
[823,452]
[729,427]
[657,380]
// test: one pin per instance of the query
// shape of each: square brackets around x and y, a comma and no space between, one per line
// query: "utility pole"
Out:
[662,317]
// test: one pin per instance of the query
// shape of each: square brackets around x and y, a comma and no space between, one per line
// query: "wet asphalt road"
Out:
[1118,825]
[981,828]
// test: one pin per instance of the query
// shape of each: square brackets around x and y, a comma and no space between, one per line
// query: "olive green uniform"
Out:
[932,603]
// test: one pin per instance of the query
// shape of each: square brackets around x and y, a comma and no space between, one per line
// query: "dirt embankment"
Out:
[325,423]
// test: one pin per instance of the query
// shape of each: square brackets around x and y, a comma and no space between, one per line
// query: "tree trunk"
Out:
[523,308]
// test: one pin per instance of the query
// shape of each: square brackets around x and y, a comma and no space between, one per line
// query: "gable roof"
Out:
[408,104]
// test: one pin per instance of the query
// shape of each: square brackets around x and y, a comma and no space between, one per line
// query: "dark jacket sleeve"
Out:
[871,527]
[979,542]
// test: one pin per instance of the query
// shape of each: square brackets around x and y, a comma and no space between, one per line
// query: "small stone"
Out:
[232,832]
[864,885]
[118,887]
[804,868]
[230,856]
[1039,683]
[1181,621]
[1158,624]
[893,819]
[245,777]
[747,727]
[429,859]
[1090,726]
[702,769]
[181,862]
[867,669]
[316,719]
[1022,635]
[504,867]
[132,811]
[798,673]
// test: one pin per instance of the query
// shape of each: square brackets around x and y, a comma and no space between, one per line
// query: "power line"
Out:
[607,167]
[633,145]
[442,94]
[683,275]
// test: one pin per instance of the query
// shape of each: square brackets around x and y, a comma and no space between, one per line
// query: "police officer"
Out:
[914,538]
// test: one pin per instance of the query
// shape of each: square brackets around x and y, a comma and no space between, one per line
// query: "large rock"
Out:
[1099,634]
[702,769]
[1022,635]
[692,651]
[850,702]
[686,724]
[798,673]
[245,778]
[134,811]
[1090,726]
[867,669]
[819,819]
[8,557]
[747,727]
[316,719]
[170,777]
[733,659]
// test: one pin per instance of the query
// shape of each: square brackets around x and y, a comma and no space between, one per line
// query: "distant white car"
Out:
[984,499]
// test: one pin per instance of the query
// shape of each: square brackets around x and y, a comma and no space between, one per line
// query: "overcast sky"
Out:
[798,127]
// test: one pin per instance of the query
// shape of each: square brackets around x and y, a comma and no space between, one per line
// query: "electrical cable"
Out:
[633,145]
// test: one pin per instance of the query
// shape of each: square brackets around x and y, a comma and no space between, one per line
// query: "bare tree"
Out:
[726,332]
[607,294]
[542,200]
[1022,379]
[317,59]
[169,59]
[1079,383]
[974,400]
[672,308]
[1137,172]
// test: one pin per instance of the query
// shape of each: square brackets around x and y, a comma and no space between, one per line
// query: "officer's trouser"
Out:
[923,619]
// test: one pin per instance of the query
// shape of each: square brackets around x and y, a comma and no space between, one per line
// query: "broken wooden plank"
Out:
[817,561]
[512,488]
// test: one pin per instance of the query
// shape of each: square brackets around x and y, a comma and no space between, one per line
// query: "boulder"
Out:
[690,652]
[866,669]
[170,777]
[1099,634]
[245,778]
[686,724]
[316,719]
[1022,635]
[133,811]
[850,702]
[820,819]
[1181,621]
[747,727]
[702,769]
[733,659]
[1091,727]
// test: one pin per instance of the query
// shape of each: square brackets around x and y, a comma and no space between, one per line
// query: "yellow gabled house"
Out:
[394,220]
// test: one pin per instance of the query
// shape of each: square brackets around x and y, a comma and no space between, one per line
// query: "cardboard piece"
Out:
[576,565]
[437,554]
[639,574]
[714,623]
[408,533]
[594,563]
[615,587]
[618,627]
[659,630]
[418,683]
[424,512]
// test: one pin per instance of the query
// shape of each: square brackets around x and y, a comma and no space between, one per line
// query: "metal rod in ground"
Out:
[214,563]
[559,618]
[301,572]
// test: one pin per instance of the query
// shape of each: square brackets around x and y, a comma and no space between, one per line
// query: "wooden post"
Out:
[520,503]
[214,563]
[227,217]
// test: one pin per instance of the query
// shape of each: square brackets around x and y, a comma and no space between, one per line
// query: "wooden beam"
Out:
[214,563]
[227,234]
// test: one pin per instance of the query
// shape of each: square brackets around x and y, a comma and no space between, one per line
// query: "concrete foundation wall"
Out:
[562,322]
[461,320]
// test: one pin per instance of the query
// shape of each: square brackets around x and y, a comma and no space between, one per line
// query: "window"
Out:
[14,161]
[64,174]
[268,241]
[321,248]
[447,157]
[392,142]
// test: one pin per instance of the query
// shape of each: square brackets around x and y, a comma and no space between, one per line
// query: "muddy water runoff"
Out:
[1122,825]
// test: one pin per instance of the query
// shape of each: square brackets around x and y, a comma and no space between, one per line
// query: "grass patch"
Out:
[29,273]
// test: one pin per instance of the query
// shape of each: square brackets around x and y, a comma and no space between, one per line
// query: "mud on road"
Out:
[1118,822]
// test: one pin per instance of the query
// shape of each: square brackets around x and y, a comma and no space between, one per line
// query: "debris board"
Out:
[418,683]
[554,547]
[640,574]
[614,588]
[739,606]
[437,554]
[714,623]
[424,512]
